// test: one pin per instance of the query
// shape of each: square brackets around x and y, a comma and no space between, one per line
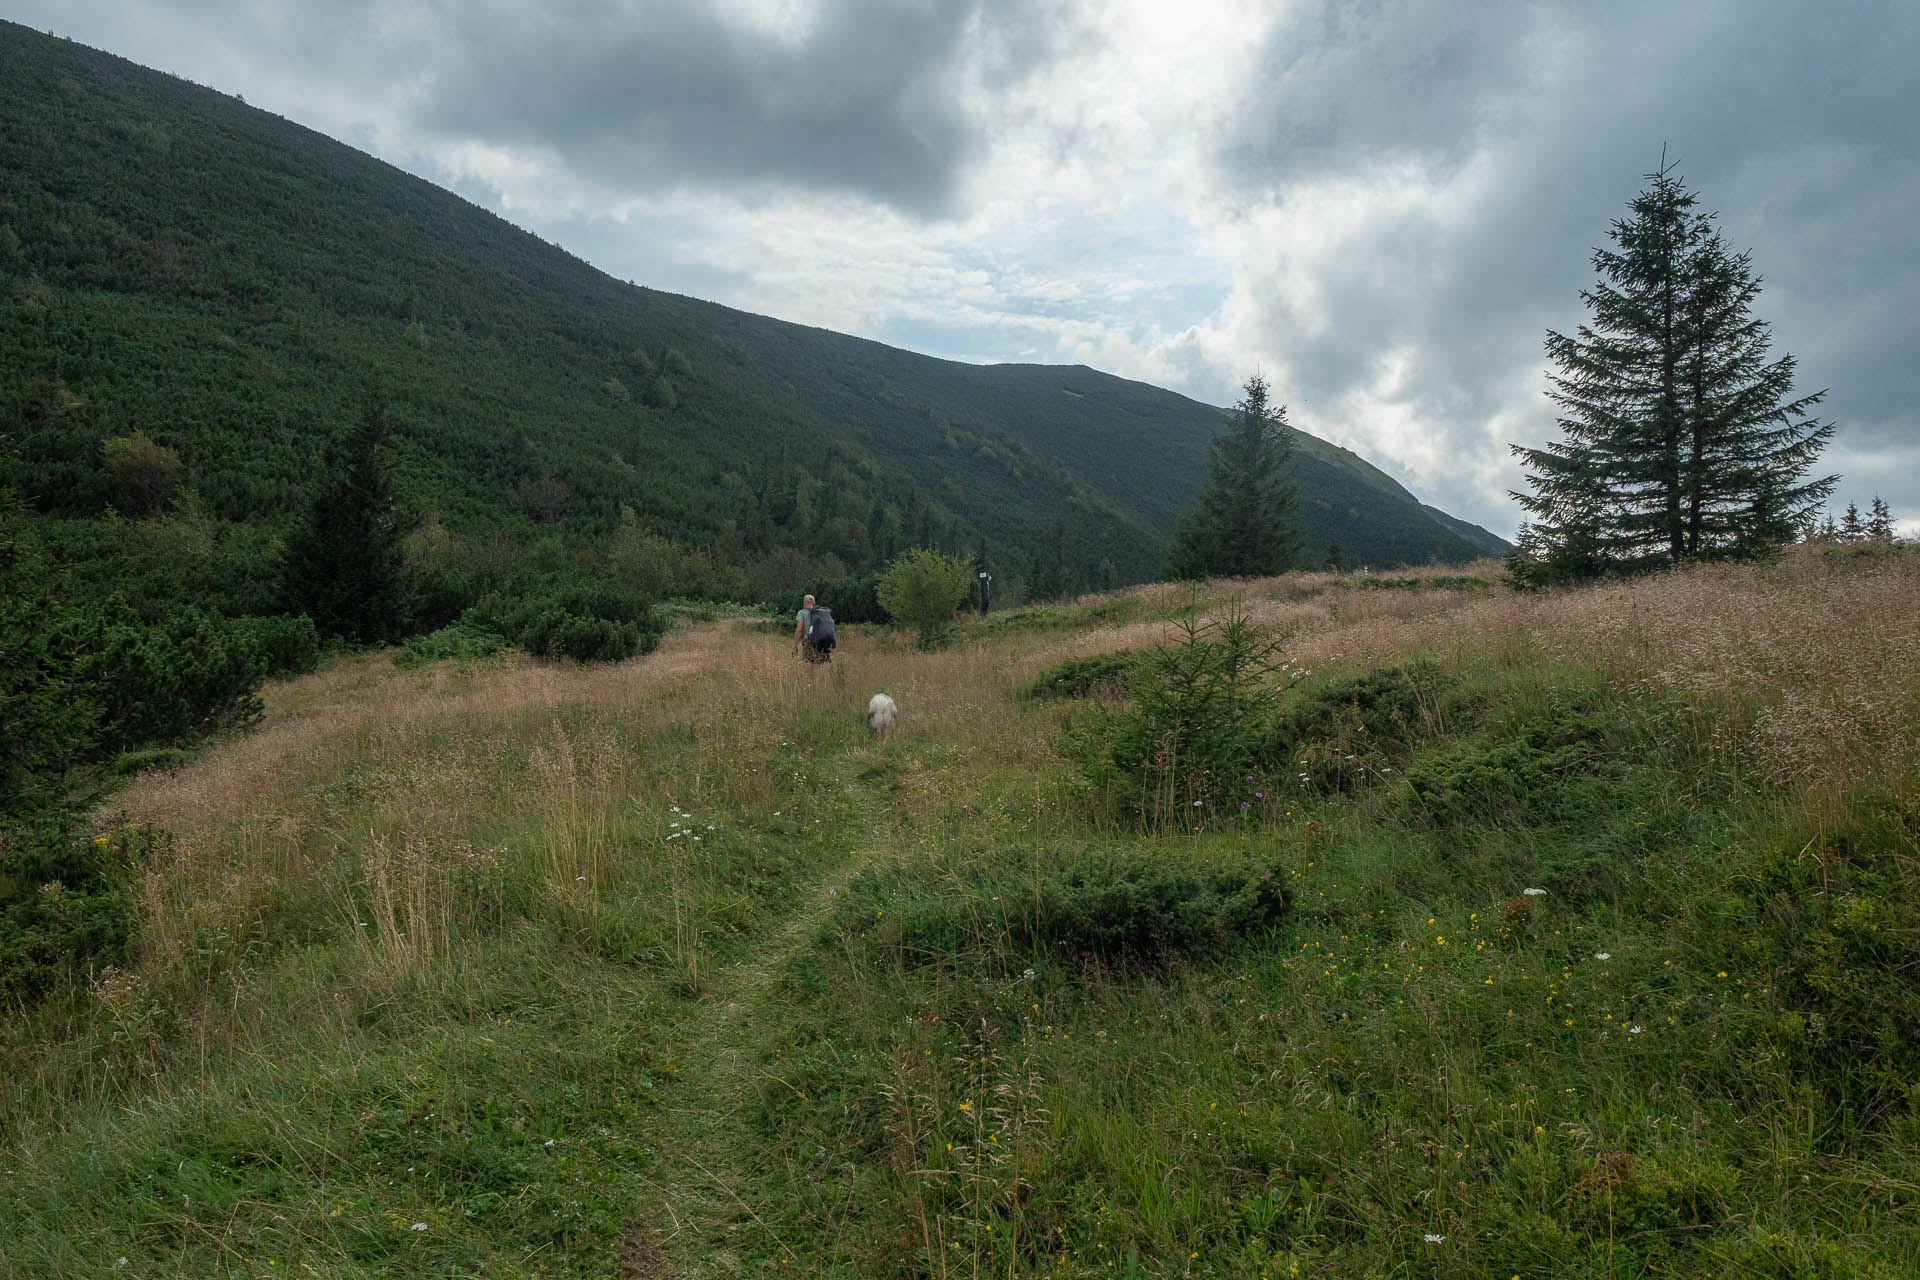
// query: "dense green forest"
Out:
[196,295]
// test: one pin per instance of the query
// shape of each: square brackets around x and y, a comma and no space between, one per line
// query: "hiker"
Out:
[813,632]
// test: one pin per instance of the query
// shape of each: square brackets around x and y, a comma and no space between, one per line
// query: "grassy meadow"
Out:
[1585,942]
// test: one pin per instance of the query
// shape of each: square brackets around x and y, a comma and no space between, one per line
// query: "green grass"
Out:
[873,1028]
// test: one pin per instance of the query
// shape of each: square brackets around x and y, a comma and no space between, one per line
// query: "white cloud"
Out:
[1380,207]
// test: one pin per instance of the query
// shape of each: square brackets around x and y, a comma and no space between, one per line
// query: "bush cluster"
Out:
[921,588]
[851,598]
[1091,676]
[82,688]
[82,684]
[287,646]
[1350,729]
[1130,907]
[463,640]
[65,909]
[587,623]
[1545,771]
[189,675]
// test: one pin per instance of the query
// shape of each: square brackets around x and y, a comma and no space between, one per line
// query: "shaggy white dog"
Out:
[881,713]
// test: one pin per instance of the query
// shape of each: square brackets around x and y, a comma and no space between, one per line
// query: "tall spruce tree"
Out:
[1246,522]
[345,563]
[1681,440]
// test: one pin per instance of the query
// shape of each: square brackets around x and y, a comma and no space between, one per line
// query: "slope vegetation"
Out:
[179,268]
[1571,935]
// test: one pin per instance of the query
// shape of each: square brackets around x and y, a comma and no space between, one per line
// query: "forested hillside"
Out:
[195,297]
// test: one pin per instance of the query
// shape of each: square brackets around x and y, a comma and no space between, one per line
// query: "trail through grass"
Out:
[699,1217]
[1578,943]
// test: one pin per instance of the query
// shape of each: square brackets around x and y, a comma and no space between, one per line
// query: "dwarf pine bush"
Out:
[588,623]
[1098,673]
[65,904]
[1133,907]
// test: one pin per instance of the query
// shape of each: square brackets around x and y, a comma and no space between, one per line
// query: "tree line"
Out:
[1682,437]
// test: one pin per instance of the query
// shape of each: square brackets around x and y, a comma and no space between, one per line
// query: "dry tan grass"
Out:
[385,786]
[366,703]
[1809,664]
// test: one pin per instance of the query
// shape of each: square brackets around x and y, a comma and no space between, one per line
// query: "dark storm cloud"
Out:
[1341,83]
[886,100]
[870,98]
[1536,123]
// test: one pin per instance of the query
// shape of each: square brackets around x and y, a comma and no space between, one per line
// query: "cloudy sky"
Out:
[1380,205]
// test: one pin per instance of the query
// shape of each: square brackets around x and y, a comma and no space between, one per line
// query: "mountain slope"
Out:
[177,265]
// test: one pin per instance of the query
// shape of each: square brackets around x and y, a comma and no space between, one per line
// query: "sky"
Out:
[1380,206]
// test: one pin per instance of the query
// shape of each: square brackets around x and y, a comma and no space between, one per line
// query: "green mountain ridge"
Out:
[177,265]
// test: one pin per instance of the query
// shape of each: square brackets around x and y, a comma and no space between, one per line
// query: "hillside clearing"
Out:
[668,968]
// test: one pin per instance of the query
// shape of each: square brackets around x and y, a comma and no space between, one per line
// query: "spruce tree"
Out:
[345,564]
[1880,523]
[1245,523]
[1852,527]
[1681,439]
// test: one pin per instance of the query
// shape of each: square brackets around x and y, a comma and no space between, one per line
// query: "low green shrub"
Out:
[587,623]
[65,904]
[287,646]
[1550,771]
[1351,730]
[921,588]
[188,675]
[128,763]
[1670,1196]
[1104,610]
[1837,918]
[1131,907]
[1094,675]
[465,640]
[1781,1253]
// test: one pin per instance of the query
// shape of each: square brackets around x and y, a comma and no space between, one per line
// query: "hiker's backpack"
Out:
[820,628]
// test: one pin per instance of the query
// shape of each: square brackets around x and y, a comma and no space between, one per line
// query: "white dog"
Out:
[881,713]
